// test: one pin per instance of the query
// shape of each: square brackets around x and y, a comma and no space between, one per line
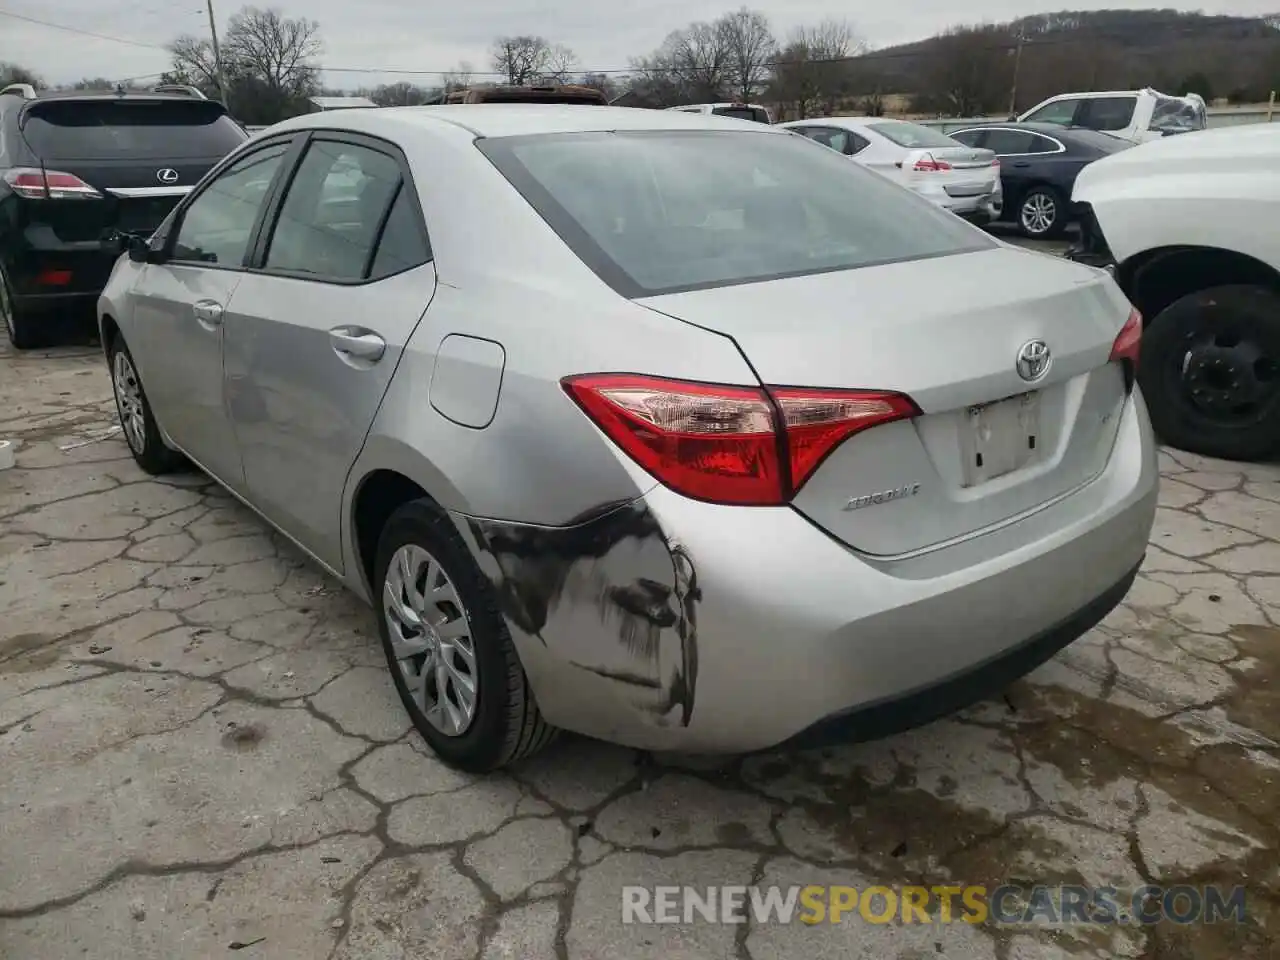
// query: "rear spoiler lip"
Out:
[35,107]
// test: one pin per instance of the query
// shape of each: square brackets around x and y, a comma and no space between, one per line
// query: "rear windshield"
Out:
[123,129]
[660,211]
[912,135]
[743,113]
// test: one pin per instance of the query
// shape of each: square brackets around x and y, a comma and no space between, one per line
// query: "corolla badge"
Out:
[882,496]
[167,175]
[1034,358]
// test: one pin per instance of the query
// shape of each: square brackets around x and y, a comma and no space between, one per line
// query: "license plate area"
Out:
[1001,437]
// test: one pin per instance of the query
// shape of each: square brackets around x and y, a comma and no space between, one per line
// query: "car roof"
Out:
[520,119]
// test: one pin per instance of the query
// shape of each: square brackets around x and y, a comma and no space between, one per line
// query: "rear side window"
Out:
[402,244]
[912,135]
[329,221]
[659,211]
[1006,142]
[1109,113]
[970,138]
[128,129]
[756,114]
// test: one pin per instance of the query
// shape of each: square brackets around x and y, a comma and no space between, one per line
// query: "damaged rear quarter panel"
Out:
[607,603]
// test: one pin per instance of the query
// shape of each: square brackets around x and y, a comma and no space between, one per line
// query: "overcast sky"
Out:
[404,35]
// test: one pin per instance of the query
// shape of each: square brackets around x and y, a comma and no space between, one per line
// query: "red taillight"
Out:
[33,183]
[930,165]
[53,278]
[995,162]
[1128,342]
[724,444]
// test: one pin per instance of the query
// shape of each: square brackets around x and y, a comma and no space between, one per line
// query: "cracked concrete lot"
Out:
[202,754]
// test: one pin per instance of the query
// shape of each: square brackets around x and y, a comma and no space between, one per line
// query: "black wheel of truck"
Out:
[1210,372]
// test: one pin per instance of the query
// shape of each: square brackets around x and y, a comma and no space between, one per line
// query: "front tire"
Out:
[1042,213]
[448,648]
[136,419]
[1210,372]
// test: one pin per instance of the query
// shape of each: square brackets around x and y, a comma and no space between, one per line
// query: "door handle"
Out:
[208,312]
[357,343]
[1022,163]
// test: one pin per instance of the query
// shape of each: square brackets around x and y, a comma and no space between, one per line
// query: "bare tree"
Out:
[400,94]
[969,72]
[560,62]
[459,78]
[523,59]
[814,70]
[275,50]
[699,58]
[16,73]
[193,64]
[751,49]
[602,82]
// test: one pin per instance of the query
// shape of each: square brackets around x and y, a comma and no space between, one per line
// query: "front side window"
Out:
[659,211]
[218,224]
[1061,112]
[330,218]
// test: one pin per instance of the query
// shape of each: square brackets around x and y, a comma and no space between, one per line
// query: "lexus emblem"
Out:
[167,175]
[1033,360]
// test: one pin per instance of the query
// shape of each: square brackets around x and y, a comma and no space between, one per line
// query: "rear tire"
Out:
[24,331]
[1210,372]
[1041,214]
[136,419]
[504,724]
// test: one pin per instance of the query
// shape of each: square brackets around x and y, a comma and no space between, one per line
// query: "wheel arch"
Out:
[386,476]
[1154,279]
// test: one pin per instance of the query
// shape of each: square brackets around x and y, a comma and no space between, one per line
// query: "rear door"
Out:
[315,332]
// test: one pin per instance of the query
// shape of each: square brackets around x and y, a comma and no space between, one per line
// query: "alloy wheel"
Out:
[431,639]
[1038,213]
[129,400]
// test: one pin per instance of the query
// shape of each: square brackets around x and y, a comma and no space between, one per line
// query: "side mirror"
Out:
[146,249]
[137,249]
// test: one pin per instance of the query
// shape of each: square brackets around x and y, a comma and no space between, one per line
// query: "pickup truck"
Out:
[1186,225]
[1134,115]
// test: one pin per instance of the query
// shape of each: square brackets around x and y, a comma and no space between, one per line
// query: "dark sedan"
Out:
[1039,163]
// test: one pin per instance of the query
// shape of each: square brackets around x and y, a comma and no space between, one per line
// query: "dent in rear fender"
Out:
[609,594]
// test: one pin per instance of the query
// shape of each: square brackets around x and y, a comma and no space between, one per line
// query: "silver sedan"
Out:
[679,431]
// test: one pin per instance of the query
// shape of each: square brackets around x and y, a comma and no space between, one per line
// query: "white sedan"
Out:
[962,179]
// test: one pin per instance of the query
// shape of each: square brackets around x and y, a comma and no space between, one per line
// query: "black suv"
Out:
[77,168]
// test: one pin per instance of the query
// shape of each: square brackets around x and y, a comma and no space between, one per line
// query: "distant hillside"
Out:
[1237,58]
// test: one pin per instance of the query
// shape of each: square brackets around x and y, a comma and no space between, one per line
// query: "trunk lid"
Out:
[968,171]
[947,332]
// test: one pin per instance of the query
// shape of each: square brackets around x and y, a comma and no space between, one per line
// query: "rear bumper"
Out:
[670,624]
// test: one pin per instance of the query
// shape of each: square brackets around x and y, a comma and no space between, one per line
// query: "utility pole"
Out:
[217,55]
[1013,93]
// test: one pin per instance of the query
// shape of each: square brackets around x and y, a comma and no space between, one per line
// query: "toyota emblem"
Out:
[1033,360]
[167,175]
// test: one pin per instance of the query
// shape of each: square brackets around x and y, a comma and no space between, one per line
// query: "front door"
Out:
[315,334]
[180,308]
